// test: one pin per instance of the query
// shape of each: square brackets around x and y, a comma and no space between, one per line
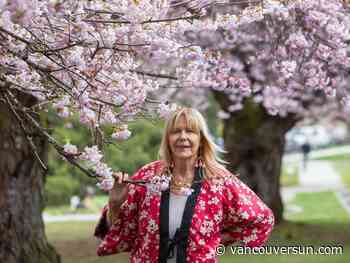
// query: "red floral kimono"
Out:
[226,209]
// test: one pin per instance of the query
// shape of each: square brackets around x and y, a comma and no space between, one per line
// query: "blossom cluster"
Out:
[93,159]
[157,184]
[93,51]
[79,64]
[281,59]
[101,59]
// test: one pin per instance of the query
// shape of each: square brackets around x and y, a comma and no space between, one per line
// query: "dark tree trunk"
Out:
[254,141]
[22,235]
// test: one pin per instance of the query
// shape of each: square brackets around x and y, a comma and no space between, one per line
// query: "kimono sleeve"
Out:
[120,236]
[246,218]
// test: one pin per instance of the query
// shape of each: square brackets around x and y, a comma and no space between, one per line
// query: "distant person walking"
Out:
[305,148]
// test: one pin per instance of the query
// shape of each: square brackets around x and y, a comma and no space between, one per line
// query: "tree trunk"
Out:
[254,141]
[22,235]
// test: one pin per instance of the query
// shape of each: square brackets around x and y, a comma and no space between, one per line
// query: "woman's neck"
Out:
[184,168]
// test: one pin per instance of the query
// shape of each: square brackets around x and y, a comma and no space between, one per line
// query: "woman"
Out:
[205,205]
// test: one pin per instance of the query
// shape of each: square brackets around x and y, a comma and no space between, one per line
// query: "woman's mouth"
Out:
[183,146]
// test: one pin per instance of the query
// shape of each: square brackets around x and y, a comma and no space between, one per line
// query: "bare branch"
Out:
[154,75]
[103,21]
[14,36]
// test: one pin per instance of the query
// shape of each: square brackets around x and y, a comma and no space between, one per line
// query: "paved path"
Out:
[70,217]
[318,176]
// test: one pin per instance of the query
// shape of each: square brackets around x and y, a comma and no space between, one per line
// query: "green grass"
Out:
[289,176]
[319,207]
[336,157]
[96,204]
[322,222]
[75,243]
[343,168]
[65,209]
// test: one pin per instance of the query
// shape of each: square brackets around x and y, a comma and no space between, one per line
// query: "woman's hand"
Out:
[119,192]
[117,196]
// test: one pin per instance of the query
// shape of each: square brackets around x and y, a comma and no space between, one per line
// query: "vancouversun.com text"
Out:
[281,250]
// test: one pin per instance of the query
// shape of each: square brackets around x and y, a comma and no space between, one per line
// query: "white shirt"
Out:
[176,208]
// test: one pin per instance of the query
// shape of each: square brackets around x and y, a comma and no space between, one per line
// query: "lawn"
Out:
[74,242]
[322,222]
[96,204]
[319,207]
[343,168]
[335,157]
[289,175]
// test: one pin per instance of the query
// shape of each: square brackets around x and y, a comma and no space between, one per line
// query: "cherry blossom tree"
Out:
[80,57]
[269,63]
[277,64]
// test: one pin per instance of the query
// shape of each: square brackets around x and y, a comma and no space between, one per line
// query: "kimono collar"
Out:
[180,240]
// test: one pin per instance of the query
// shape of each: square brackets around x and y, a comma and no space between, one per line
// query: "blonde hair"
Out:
[208,149]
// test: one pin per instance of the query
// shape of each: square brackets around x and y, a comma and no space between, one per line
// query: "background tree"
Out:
[22,182]
[292,62]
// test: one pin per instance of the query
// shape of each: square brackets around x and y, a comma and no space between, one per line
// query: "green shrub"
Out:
[59,189]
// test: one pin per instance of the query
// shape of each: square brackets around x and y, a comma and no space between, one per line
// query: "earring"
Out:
[199,162]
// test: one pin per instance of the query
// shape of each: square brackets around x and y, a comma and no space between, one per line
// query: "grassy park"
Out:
[315,226]
[93,88]
[322,221]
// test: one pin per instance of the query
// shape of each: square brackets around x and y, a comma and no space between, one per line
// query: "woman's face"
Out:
[184,142]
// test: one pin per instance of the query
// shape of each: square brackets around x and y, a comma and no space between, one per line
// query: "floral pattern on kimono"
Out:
[227,211]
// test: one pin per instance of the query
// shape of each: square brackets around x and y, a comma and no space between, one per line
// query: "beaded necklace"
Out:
[180,187]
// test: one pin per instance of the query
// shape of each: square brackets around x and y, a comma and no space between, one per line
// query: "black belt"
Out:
[180,239]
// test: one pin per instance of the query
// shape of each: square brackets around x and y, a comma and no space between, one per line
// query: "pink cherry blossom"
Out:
[122,134]
[166,109]
[106,184]
[106,60]
[91,154]
[70,149]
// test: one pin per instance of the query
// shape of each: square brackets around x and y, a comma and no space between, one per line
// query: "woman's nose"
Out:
[183,134]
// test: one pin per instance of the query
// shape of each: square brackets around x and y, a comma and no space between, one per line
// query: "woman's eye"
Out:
[179,131]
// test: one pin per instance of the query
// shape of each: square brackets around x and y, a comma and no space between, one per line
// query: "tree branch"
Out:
[60,150]
[103,21]
[154,75]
